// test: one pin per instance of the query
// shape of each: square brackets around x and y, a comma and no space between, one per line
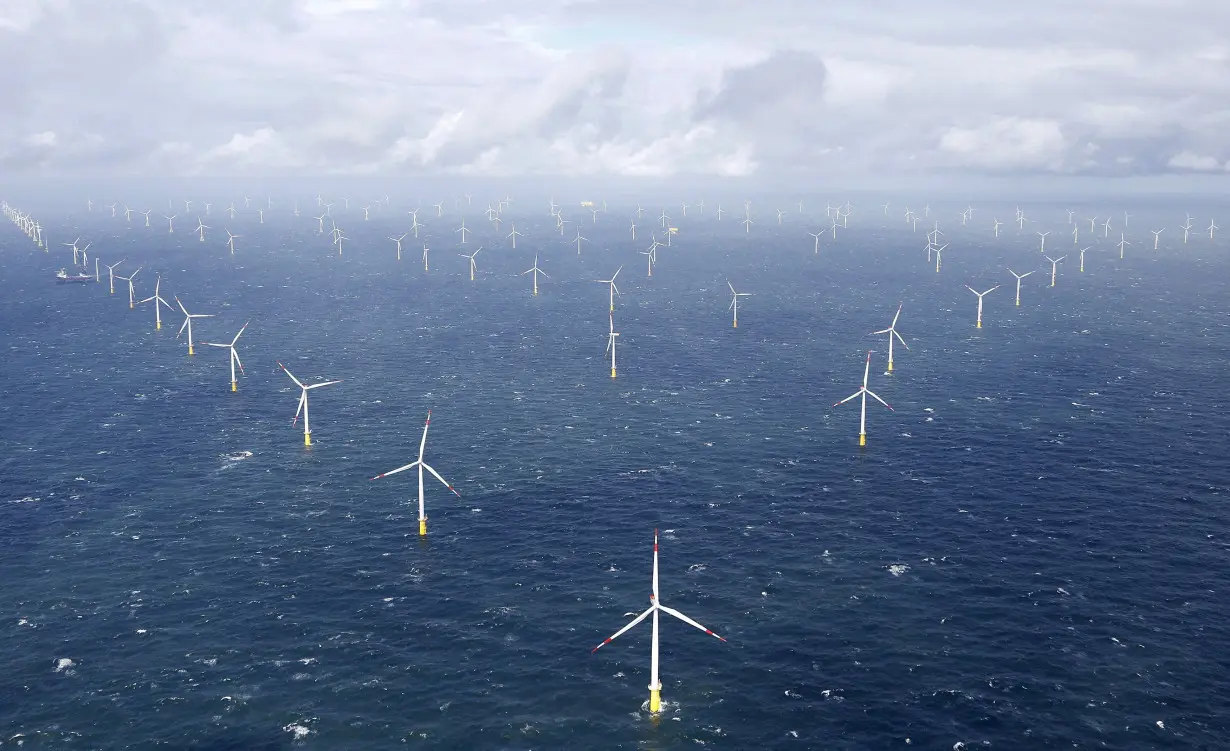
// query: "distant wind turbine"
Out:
[421,465]
[863,392]
[892,333]
[234,356]
[980,296]
[1019,277]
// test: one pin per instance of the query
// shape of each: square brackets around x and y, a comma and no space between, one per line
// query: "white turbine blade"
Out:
[888,330]
[411,465]
[900,339]
[235,354]
[292,375]
[623,630]
[183,326]
[878,399]
[302,401]
[894,324]
[241,330]
[732,287]
[322,383]
[427,467]
[211,344]
[848,398]
[688,621]
[141,302]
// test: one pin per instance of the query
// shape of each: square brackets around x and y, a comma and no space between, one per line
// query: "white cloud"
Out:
[613,87]
[1186,160]
[1008,143]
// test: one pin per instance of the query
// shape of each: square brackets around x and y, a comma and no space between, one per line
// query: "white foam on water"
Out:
[65,665]
[897,569]
[298,730]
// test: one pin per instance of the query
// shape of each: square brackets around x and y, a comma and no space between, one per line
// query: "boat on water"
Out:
[63,277]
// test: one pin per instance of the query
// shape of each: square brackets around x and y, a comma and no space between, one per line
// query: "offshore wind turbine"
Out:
[398,241]
[146,215]
[610,343]
[473,266]
[892,333]
[864,392]
[816,247]
[1122,243]
[734,303]
[188,323]
[1212,226]
[1054,266]
[303,402]
[655,606]
[614,290]
[320,227]
[1019,277]
[633,229]
[514,235]
[111,274]
[421,465]
[464,232]
[1157,235]
[200,229]
[578,240]
[998,224]
[132,290]
[230,241]
[425,269]
[157,300]
[1083,250]
[1076,233]
[1042,248]
[535,271]
[980,296]
[938,250]
[234,355]
[170,222]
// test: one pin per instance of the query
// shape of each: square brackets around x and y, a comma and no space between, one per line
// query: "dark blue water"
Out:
[1030,553]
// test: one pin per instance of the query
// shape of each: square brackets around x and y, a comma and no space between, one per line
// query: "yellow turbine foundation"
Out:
[890,366]
[190,350]
[979,325]
[422,527]
[862,439]
[734,324]
[234,386]
[158,326]
[307,439]
[655,700]
[612,372]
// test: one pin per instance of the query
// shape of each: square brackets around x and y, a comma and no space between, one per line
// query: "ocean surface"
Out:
[1030,552]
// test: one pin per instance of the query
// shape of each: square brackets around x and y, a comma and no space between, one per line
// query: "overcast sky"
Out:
[614,87]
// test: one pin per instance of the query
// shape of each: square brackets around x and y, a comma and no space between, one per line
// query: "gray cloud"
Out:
[599,87]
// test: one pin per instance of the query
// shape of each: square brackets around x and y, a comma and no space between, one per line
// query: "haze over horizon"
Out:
[1116,94]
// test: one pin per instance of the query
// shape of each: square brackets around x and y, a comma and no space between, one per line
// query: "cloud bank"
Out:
[613,88]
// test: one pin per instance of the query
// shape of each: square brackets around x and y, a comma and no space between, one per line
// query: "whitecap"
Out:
[897,569]
[65,665]
[298,730]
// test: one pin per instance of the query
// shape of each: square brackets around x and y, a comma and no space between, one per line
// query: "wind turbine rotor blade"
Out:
[689,621]
[848,398]
[241,330]
[299,409]
[427,467]
[322,383]
[411,465]
[625,629]
[878,399]
[292,375]
[900,339]
[235,354]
